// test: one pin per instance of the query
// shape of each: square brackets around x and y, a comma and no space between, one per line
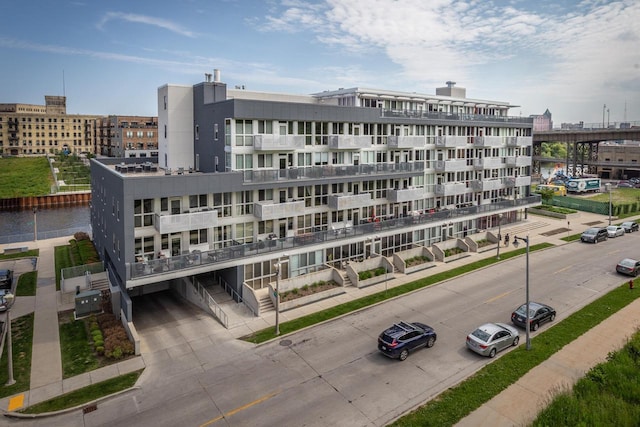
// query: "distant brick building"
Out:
[27,129]
[542,122]
[127,136]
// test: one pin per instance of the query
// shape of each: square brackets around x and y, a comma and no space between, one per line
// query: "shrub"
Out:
[81,235]
[100,349]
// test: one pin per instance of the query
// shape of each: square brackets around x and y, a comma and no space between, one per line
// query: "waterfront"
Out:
[18,226]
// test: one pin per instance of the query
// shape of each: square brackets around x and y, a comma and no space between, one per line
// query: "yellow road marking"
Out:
[498,297]
[563,269]
[16,402]
[241,408]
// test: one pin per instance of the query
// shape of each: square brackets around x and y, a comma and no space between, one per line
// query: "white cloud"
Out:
[147,20]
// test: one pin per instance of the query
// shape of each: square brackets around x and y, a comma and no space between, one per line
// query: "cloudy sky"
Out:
[571,57]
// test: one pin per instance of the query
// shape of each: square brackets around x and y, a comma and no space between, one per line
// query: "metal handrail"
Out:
[236,296]
[216,310]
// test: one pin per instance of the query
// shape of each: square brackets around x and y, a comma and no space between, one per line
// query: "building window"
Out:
[244,202]
[144,246]
[165,131]
[215,131]
[198,201]
[143,213]
[265,160]
[165,102]
[244,232]
[197,132]
[222,203]
[197,237]
[244,133]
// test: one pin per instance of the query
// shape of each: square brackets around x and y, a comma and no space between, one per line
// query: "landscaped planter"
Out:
[544,212]
[298,282]
[374,263]
[440,250]
[482,242]
[297,302]
[400,260]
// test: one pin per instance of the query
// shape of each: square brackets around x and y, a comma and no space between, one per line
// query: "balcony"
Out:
[450,141]
[452,165]
[524,141]
[329,172]
[349,142]
[187,221]
[518,161]
[510,181]
[264,142]
[488,141]
[406,141]
[522,181]
[405,195]
[349,201]
[269,210]
[451,189]
[487,163]
[487,184]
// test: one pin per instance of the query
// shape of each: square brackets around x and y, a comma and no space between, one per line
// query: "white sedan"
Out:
[615,231]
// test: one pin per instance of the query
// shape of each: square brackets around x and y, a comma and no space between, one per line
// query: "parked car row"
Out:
[600,234]
[488,339]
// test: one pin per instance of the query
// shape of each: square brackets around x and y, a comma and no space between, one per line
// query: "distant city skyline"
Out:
[579,59]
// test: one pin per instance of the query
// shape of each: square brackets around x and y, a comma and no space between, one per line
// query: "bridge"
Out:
[582,146]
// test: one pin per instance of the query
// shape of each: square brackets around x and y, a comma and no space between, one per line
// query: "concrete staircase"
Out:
[100,284]
[265,304]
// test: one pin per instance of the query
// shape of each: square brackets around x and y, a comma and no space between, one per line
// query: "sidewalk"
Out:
[519,400]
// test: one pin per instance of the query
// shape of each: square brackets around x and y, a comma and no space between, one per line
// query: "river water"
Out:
[18,226]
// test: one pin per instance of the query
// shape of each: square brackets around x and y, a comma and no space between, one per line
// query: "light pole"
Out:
[9,298]
[527,323]
[604,108]
[35,224]
[607,186]
[278,267]
[499,235]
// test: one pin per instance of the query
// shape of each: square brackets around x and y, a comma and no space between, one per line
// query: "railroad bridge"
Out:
[582,147]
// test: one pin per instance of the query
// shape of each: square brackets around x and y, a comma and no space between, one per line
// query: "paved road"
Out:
[332,373]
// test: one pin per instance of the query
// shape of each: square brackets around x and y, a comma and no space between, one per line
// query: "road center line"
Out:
[499,296]
[241,408]
[563,269]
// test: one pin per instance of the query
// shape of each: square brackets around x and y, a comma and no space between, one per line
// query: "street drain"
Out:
[285,343]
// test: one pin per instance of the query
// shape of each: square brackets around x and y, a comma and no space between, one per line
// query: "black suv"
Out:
[401,338]
[594,235]
[6,278]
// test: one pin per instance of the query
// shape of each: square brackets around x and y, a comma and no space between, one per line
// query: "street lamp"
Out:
[278,267]
[604,108]
[607,186]
[499,235]
[527,323]
[9,299]
[35,224]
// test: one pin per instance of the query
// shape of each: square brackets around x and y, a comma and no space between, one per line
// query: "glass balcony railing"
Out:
[196,259]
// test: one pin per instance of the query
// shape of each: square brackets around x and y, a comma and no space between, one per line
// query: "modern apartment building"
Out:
[624,158]
[245,180]
[127,136]
[27,129]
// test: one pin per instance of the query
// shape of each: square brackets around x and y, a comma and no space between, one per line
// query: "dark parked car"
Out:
[404,337]
[6,278]
[491,338]
[629,267]
[594,235]
[538,313]
[625,184]
[629,226]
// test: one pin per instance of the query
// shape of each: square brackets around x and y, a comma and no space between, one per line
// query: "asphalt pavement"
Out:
[517,405]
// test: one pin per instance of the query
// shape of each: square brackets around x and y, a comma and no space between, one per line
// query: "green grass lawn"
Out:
[24,177]
[28,254]
[609,395]
[75,347]
[22,341]
[86,394]
[27,284]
